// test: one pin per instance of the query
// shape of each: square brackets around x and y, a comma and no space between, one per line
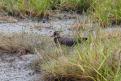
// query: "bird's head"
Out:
[56,34]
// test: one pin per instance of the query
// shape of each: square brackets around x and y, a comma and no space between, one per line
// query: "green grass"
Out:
[97,59]
[108,11]
[75,5]
[26,7]
[40,7]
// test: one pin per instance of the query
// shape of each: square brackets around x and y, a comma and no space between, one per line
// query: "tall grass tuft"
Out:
[97,59]
[18,42]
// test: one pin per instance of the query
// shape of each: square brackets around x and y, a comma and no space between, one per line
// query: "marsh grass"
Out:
[75,5]
[97,59]
[40,7]
[25,7]
[17,42]
[107,12]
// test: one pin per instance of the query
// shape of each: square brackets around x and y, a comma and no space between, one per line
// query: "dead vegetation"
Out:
[7,19]
[20,43]
[94,60]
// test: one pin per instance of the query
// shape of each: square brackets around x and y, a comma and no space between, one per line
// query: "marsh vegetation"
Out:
[96,59]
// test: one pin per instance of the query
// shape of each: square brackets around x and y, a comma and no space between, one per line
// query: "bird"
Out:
[66,40]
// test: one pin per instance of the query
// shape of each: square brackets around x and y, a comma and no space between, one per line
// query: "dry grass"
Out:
[7,19]
[19,42]
[95,60]
[82,25]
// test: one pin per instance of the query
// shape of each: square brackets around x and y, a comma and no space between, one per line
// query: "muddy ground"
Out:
[17,68]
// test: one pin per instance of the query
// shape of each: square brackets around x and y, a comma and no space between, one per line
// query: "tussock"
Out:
[19,42]
[94,60]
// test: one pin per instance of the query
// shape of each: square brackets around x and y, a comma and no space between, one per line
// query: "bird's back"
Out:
[66,41]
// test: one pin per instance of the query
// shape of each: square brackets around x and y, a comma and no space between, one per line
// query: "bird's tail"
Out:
[80,40]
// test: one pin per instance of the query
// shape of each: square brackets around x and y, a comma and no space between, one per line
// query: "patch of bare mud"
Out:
[18,68]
